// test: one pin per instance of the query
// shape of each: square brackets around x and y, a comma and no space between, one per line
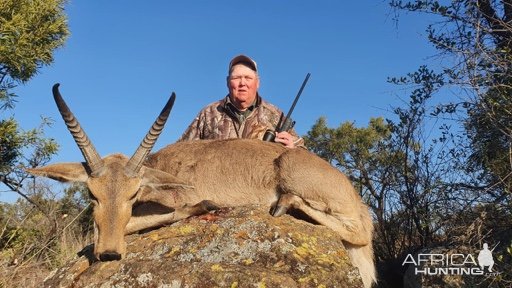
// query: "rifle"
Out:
[285,123]
[495,246]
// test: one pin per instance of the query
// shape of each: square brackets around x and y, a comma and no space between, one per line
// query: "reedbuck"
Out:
[191,178]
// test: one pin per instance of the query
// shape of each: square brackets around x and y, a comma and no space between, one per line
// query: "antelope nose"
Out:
[110,256]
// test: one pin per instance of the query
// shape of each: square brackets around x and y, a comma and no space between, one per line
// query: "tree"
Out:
[30,31]
[476,36]
[403,179]
[409,169]
[489,127]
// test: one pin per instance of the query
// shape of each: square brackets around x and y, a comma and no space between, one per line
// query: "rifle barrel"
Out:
[298,96]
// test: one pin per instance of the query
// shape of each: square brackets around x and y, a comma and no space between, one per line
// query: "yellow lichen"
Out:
[248,261]
[303,279]
[217,268]
[303,250]
[213,227]
[306,238]
[154,236]
[186,229]
[173,251]
[306,248]
[327,259]
[234,285]
[308,279]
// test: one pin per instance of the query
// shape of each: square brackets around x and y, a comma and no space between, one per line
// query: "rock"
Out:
[235,247]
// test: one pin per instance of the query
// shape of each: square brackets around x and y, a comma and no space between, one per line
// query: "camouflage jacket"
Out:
[221,120]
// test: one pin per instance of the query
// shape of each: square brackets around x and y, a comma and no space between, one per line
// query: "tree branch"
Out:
[15,187]
[507,8]
[495,23]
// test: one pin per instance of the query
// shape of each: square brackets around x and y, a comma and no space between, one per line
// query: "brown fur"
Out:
[228,173]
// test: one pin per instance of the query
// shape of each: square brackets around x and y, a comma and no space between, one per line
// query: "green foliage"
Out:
[10,144]
[48,236]
[352,148]
[476,36]
[7,97]
[20,148]
[408,174]
[415,181]
[489,128]
[474,40]
[13,141]
[17,237]
[30,31]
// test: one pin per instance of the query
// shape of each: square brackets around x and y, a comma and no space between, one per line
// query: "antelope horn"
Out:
[92,158]
[135,162]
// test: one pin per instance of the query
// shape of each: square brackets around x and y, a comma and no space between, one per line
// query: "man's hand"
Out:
[285,138]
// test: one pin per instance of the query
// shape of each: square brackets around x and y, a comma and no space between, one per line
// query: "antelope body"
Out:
[191,178]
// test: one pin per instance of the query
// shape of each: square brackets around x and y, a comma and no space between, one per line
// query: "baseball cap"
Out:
[245,60]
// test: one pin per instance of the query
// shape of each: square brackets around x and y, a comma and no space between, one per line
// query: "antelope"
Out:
[191,178]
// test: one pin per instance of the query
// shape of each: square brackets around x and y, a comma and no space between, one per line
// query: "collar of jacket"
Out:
[231,109]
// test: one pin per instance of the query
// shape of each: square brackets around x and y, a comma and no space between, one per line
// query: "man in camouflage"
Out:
[242,113]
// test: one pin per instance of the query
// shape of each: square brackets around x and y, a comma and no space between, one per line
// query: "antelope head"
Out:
[114,181]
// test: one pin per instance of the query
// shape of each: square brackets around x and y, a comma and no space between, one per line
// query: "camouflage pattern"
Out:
[221,120]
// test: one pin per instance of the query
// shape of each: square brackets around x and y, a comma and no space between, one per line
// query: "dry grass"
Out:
[31,272]
[33,243]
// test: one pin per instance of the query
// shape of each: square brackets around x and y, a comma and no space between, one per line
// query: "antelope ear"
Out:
[63,172]
[161,180]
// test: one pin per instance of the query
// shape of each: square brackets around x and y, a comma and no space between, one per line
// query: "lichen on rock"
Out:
[238,247]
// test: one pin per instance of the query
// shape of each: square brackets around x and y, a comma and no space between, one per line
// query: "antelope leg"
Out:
[155,220]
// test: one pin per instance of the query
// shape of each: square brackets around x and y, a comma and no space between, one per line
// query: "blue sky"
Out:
[124,58]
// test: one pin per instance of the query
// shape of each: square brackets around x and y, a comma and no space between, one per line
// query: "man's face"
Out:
[243,84]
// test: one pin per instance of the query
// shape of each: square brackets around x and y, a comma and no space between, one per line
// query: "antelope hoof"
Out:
[209,205]
[279,211]
[110,256]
